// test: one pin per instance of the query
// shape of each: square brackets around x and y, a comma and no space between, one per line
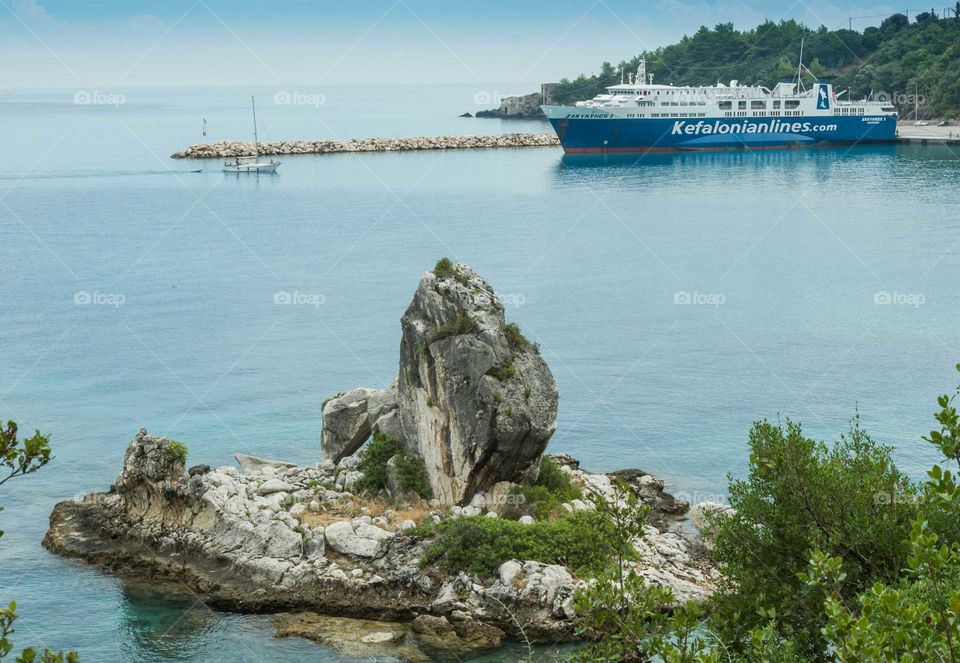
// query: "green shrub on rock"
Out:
[178,451]
[443,269]
[479,545]
[541,500]
[412,475]
[411,472]
[373,463]
[461,325]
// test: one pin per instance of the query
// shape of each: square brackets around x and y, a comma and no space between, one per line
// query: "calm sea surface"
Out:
[676,301]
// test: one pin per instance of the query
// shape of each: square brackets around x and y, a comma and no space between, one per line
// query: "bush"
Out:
[373,463]
[412,475]
[411,472]
[504,373]
[553,488]
[178,451]
[461,325]
[443,269]
[479,545]
[517,341]
[848,501]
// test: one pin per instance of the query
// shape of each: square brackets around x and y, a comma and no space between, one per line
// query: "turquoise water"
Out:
[783,257]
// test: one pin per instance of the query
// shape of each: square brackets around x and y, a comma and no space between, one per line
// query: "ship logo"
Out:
[823,97]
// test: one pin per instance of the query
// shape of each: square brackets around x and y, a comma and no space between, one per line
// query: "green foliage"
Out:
[461,325]
[411,471]
[8,616]
[373,463]
[584,541]
[443,269]
[515,338]
[543,499]
[178,451]
[848,501]
[412,475]
[19,458]
[914,617]
[504,373]
[890,58]
[623,617]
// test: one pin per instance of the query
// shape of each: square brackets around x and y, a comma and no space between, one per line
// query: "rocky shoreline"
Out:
[473,408]
[239,539]
[228,149]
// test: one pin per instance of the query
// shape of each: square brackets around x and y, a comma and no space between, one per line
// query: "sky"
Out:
[130,43]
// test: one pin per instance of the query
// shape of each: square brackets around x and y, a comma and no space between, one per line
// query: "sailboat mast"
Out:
[256,141]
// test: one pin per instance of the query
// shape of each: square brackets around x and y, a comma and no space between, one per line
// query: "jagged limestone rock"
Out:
[476,400]
[346,424]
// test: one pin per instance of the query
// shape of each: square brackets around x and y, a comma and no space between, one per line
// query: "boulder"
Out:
[256,465]
[702,513]
[476,400]
[355,538]
[346,424]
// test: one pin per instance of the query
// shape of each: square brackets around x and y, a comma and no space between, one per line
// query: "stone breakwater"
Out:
[235,148]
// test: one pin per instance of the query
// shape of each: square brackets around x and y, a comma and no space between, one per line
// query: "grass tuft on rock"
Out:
[461,325]
[178,451]
[444,268]
[504,373]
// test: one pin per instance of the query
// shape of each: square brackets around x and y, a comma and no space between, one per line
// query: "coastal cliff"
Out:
[317,543]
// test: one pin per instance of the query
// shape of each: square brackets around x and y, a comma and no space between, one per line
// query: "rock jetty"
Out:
[233,148]
[307,542]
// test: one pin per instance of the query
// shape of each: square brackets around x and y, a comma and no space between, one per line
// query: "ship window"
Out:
[726,105]
[776,104]
[758,105]
[741,105]
[792,103]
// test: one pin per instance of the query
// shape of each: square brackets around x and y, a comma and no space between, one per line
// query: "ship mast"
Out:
[800,67]
[256,141]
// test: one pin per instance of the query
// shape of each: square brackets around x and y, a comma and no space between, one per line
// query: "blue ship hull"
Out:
[591,135]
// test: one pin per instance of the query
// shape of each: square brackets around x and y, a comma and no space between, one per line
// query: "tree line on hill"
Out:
[899,57]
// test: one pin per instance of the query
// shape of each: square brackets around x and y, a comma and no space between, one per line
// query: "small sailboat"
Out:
[251,164]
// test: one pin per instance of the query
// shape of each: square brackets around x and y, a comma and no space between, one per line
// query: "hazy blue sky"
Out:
[259,42]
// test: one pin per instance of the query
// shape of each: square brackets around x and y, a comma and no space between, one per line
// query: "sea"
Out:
[677,299]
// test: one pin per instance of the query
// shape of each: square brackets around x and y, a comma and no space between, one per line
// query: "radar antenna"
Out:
[641,70]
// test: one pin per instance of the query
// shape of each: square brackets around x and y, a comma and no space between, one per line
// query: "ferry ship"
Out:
[638,116]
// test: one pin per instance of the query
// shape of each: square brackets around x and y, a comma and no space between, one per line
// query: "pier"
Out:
[230,149]
[908,134]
